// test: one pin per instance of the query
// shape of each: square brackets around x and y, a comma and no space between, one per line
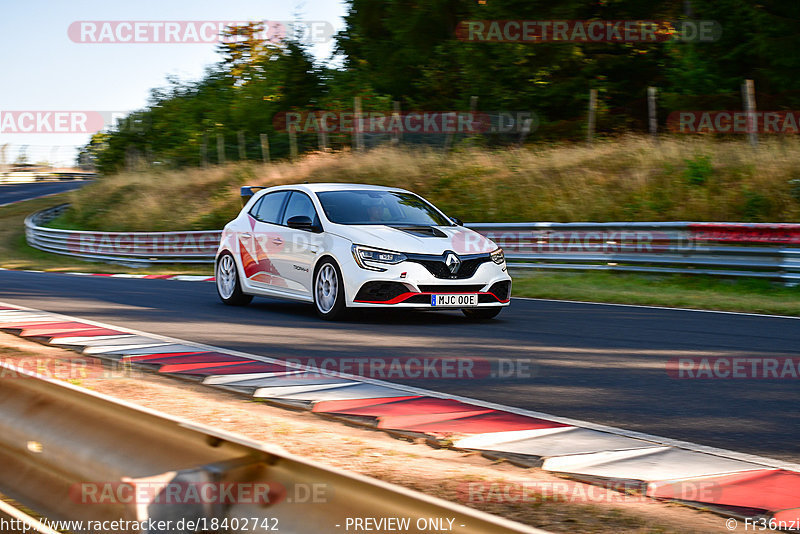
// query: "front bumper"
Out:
[411,285]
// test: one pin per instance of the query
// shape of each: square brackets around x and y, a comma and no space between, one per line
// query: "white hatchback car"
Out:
[346,246]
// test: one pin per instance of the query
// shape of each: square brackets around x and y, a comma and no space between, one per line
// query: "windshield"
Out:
[380,207]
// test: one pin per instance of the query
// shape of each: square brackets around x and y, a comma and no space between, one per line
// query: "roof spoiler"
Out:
[248,191]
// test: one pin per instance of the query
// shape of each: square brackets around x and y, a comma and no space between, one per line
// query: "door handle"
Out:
[247,235]
[278,241]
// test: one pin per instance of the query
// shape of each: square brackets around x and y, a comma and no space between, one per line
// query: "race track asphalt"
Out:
[601,363]
[10,193]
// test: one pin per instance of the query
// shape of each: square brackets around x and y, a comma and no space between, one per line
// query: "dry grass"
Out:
[625,179]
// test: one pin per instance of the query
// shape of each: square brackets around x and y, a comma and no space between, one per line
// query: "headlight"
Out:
[498,257]
[371,258]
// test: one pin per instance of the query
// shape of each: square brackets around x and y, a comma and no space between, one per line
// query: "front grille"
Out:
[418,299]
[380,291]
[501,289]
[438,268]
[451,288]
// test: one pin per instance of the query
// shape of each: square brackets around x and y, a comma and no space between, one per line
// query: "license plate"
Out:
[454,300]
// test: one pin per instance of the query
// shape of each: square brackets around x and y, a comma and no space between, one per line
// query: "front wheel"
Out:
[226,278]
[329,291]
[481,314]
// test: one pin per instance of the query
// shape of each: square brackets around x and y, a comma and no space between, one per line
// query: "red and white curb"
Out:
[744,485]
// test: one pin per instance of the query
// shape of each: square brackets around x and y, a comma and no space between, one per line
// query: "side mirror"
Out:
[457,221]
[302,222]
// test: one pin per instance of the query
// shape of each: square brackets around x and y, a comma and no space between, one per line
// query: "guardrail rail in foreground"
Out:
[72,454]
[720,249]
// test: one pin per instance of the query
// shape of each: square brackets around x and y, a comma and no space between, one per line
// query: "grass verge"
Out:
[623,179]
[679,291]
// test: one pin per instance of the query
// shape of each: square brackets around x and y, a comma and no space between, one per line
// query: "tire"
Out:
[329,291]
[226,278]
[481,314]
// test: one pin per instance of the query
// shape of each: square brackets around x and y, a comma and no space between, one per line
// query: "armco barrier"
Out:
[720,249]
[128,247]
[72,454]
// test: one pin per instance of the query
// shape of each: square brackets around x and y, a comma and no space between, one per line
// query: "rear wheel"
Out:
[329,291]
[481,314]
[229,288]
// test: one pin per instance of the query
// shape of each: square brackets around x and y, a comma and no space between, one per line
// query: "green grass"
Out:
[680,291]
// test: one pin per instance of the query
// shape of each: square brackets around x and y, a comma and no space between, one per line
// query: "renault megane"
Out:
[344,246]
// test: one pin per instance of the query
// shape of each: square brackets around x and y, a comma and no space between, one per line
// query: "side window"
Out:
[300,204]
[268,208]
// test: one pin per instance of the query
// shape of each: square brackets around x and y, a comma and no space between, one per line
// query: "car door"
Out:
[300,247]
[260,247]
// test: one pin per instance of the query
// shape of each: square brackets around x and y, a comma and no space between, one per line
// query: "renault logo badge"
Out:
[453,263]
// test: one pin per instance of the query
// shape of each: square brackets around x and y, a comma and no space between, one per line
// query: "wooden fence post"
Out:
[264,147]
[592,111]
[651,112]
[749,97]
[358,125]
[292,143]
[242,148]
[220,149]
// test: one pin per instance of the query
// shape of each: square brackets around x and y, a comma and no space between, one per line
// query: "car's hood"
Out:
[458,239]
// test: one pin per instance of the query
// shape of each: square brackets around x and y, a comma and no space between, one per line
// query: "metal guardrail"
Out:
[125,247]
[719,249]
[72,454]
